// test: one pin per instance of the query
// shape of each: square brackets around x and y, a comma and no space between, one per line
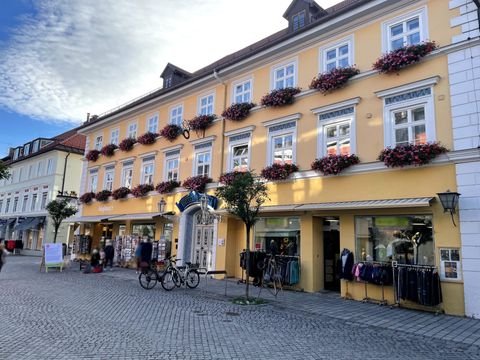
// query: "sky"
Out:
[60,59]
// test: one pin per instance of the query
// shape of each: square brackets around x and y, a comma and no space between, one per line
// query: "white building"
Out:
[39,170]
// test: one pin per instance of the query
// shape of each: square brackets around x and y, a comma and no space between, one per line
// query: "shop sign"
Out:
[105,208]
[194,198]
[53,254]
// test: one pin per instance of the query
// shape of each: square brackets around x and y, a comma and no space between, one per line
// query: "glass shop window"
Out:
[279,235]
[144,230]
[406,239]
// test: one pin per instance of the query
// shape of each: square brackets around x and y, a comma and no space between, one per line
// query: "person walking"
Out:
[109,254]
[3,255]
[138,253]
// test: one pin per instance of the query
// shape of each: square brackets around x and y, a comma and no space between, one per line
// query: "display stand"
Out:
[52,257]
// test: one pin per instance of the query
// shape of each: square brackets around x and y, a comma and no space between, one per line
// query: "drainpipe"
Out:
[65,171]
[222,141]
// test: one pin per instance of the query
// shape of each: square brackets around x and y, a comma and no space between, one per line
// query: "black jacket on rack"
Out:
[345,265]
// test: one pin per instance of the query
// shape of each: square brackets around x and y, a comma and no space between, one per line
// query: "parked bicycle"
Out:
[271,278]
[171,277]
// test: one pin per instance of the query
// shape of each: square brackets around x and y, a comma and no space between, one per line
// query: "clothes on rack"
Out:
[418,284]
[373,272]
[345,265]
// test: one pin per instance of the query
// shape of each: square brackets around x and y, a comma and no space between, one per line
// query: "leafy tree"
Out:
[59,210]
[4,172]
[243,194]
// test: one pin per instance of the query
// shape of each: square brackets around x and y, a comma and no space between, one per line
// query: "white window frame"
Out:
[20,174]
[207,96]
[232,146]
[31,169]
[35,146]
[176,119]
[284,65]
[337,121]
[243,92]
[25,203]
[40,168]
[43,200]
[146,164]
[26,150]
[106,182]
[166,171]
[98,142]
[322,67]
[115,136]
[15,207]
[50,166]
[149,123]
[33,203]
[202,152]
[421,13]
[124,171]
[93,182]
[131,132]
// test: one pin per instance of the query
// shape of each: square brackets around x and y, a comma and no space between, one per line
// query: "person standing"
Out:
[109,254]
[138,253]
[3,255]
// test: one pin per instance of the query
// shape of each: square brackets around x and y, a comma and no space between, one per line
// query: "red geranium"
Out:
[196,183]
[167,186]
[280,97]
[237,112]
[405,56]
[334,164]
[279,171]
[127,144]
[92,155]
[416,155]
[148,138]
[171,132]
[333,79]
[109,150]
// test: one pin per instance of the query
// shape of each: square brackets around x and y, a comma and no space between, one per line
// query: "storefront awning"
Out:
[24,225]
[368,204]
[142,216]
[278,208]
[86,219]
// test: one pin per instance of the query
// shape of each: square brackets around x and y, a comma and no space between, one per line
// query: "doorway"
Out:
[331,253]
[203,241]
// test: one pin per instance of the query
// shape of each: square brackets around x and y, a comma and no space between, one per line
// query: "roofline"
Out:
[58,147]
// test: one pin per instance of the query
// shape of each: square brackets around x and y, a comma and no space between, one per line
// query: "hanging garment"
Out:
[346,265]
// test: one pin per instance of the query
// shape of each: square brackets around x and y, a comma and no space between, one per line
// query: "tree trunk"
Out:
[55,234]
[247,259]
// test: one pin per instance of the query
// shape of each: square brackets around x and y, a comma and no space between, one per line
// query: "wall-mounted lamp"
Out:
[449,202]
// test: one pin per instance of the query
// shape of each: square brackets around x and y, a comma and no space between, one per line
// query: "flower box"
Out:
[196,183]
[103,195]
[171,132]
[92,155]
[148,138]
[120,193]
[237,112]
[333,79]
[127,144]
[403,57]
[109,150]
[416,155]
[229,177]
[280,97]
[142,190]
[87,197]
[167,186]
[277,172]
[201,122]
[334,164]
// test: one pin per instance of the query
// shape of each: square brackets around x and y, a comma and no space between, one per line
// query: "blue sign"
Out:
[193,198]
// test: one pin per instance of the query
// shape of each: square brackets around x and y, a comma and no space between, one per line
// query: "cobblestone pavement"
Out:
[71,315]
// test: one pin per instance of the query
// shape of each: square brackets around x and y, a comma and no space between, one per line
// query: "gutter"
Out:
[222,141]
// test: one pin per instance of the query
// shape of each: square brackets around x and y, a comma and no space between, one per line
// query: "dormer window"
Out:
[16,153]
[35,146]
[26,150]
[168,82]
[298,20]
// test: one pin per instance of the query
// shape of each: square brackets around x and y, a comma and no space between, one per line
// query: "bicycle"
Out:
[271,277]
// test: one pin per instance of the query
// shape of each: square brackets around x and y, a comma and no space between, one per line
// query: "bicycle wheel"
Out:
[192,279]
[168,282]
[148,279]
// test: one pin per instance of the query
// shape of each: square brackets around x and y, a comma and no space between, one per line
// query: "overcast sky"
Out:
[63,58]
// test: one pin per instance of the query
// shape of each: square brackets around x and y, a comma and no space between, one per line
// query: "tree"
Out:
[243,194]
[4,172]
[59,210]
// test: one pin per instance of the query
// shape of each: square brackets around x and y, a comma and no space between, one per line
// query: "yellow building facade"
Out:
[370,209]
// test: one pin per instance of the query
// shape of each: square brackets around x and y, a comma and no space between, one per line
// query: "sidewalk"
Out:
[438,326]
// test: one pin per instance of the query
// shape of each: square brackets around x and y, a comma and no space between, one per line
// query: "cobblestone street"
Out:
[71,315]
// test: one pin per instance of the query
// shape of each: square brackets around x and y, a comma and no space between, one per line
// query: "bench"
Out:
[206,273]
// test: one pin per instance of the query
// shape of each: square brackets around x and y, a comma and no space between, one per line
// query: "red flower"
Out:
[279,171]
[171,132]
[127,144]
[237,112]
[334,164]
[87,197]
[280,97]
[196,183]
[147,138]
[109,150]
[103,195]
[167,186]
[92,155]
[201,122]
[333,79]
[400,58]
[120,193]
[142,190]
[416,155]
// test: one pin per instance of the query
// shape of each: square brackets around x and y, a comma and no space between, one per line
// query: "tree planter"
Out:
[148,138]
[403,57]
[280,97]
[237,112]
[127,144]
[277,172]
[120,193]
[87,197]
[103,195]
[142,190]
[109,150]
[171,132]
[416,155]
[334,164]
[334,79]
[167,186]
[92,155]
[196,183]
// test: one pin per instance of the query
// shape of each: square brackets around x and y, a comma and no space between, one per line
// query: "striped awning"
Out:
[86,219]
[141,216]
[368,204]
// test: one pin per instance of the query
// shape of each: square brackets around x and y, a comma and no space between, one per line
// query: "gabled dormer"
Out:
[172,75]
[301,13]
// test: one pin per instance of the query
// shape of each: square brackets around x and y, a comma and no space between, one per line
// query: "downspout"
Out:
[222,141]
[65,171]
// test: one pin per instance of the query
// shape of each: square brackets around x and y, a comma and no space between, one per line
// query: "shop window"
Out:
[450,265]
[406,239]
[278,235]
[144,230]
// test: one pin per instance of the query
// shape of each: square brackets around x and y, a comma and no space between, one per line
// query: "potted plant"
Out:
[171,132]
[87,197]
[148,138]
[120,193]
[403,57]
[127,144]
[333,79]
[108,150]
[196,183]
[201,122]
[280,97]
[237,112]
[142,190]
[277,172]
[103,195]
[167,186]
[416,155]
[334,164]
[92,155]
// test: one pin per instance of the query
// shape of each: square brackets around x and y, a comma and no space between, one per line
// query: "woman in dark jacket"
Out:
[109,254]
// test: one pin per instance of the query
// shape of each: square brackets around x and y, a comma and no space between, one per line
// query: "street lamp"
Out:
[449,202]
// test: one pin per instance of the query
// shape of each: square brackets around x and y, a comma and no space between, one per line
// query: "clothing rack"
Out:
[366,298]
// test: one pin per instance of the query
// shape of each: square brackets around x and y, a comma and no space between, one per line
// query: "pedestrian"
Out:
[95,262]
[3,255]
[146,253]
[109,254]
[138,253]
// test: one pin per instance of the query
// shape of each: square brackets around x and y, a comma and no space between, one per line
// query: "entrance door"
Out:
[331,251]
[203,241]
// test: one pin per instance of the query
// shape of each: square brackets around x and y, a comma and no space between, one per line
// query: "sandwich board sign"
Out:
[53,256]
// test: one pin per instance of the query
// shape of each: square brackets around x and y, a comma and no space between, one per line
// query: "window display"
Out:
[407,239]
[144,230]
[279,235]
